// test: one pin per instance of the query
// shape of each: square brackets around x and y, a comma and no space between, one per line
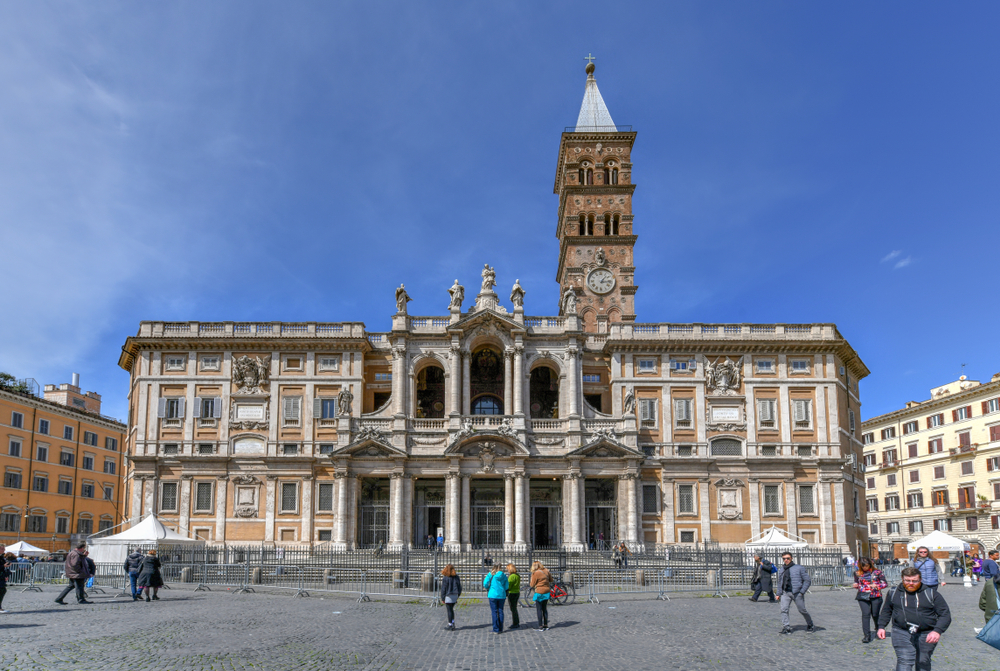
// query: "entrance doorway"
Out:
[601,513]
[487,512]
[373,514]
[545,526]
[428,512]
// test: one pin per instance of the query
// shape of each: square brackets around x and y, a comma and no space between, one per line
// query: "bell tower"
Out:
[594,185]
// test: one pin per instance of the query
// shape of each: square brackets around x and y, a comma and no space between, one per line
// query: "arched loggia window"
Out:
[614,224]
[487,405]
[607,223]
[583,224]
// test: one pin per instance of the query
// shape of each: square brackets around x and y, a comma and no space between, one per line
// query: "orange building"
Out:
[62,466]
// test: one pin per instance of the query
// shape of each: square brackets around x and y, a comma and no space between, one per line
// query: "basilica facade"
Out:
[493,428]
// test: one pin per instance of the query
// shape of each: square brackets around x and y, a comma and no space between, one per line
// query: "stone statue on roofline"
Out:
[457,292]
[489,278]
[402,298]
[517,295]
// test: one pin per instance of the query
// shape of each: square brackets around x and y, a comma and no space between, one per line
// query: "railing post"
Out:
[364,585]
[592,595]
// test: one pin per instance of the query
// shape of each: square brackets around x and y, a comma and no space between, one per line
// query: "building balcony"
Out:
[963,449]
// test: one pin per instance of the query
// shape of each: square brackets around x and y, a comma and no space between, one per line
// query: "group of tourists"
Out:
[916,609]
[503,589]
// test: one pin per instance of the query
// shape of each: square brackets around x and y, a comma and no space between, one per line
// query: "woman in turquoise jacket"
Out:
[495,584]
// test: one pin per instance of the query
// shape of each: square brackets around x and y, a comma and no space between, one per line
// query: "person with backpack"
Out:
[133,563]
[924,563]
[869,582]
[513,594]
[919,616]
[761,580]
[496,584]
[451,590]
[541,585]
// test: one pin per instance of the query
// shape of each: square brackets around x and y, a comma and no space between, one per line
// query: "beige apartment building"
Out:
[935,464]
[501,429]
[62,465]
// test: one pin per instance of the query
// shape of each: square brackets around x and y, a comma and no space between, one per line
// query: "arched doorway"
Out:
[430,392]
[486,382]
[544,393]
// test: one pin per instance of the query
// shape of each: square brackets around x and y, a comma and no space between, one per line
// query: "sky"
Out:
[795,162]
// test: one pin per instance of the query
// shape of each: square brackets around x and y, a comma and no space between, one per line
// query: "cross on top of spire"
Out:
[589,58]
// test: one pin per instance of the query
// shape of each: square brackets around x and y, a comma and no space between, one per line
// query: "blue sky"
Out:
[795,162]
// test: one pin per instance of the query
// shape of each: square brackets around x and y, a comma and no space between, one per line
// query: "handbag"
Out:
[863,596]
[990,634]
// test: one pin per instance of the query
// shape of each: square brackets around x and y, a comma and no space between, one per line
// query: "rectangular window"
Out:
[802,413]
[966,497]
[867,438]
[806,501]
[37,523]
[872,505]
[995,521]
[207,407]
[328,408]
[62,525]
[768,450]
[942,525]
[85,526]
[43,427]
[910,427]
[871,460]
[888,457]
[324,535]
[917,527]
[687,537]
[43,453]
[850,417]
[871,483]
[289,449]
[289,497]
[992,405]
[15,448]
[892,527]
[767,413]
[66,487]
[40,483]
[685,498]
[103,525]
[206,448]
[292,410]
[765,365]
[173,408]
[109,493]
[804,450]
[888,433]
[890,480]
[170,448]
[682,412]
[915,475]
[935,421]
[647,412]
[591,378]
[892,502]
[800,365]
[176,363]
[383,377]
[326,448]
[873,528]
[88,462]
[966,468]
[16,420]
[168,496]
[996,491]
[682,365]
[329,363]
[940,497]
[686,451]
[67,433]
[87,491]
[650,499]
[647,365]
[90,438]
[325,499]
[210,363]
[12,479]
[971,524]
[772,499]
[66,458]
[109,466]
[911,450]
[915,500]
[959,414]
[203,497]
[10,522]
[935,445]
[964,439]
[111,444]
[994,433]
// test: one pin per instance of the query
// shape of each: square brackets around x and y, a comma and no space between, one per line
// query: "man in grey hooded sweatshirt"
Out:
[133,563]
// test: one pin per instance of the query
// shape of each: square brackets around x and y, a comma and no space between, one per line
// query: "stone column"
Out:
[221,498]
[272,484]
[633,524]
[184,505]
[466,383]
[353,494]
[398,380]
[754,490]
[519,380]
[151,484]
[456,379]
[667,492]
[452,533]
[705,511]
[574,512]
[395,511]
[508,387]
[306,512]
[790,508]
[825,511]
[520,483]
[841,512]
[340,528]
[571,374]
[408,486]
[466,512]
[136,512]
[508,510]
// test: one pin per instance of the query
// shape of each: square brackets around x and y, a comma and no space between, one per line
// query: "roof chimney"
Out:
[76,380]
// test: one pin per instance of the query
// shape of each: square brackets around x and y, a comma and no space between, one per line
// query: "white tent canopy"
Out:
[27,549]
[149,531]
[775,538]
[939,541]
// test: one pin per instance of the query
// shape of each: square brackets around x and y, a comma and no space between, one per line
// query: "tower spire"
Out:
[594,114]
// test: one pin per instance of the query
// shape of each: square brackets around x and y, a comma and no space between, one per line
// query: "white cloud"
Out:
[902,263]
[891,255]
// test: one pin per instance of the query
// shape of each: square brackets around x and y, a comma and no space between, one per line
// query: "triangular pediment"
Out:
[604,447]
[485,320]
[472,445]
[369,443]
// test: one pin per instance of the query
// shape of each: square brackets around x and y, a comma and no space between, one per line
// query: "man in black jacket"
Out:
[761,581]
[919,616]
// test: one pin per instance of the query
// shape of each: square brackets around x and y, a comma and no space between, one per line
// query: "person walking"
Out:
[761,581]
[451,589]
[924,563]
[990,568]
[77,572]
[977,567]
[989,599]
[793,582]
[869,582]
[513,594]
[150,578]
[919,616]
[495,583]
[541,585]
[4,574]
[956,568]
[625,552]
[132,565]
[440,541]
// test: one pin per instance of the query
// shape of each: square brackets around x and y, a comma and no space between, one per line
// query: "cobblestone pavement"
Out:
[188,630]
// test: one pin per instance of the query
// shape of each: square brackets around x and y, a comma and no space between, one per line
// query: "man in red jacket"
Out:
[77,570]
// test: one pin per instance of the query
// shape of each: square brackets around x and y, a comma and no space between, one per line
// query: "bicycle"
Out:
[559,594]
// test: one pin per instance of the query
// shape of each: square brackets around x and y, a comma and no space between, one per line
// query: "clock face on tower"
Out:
[601,281]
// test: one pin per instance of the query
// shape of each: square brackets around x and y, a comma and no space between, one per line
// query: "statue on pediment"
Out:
[402,298]
[489,278]
[457,292]
[517,295]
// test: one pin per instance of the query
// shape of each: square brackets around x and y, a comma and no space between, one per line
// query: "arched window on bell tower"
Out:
[583,224]
[590,225]
[607,223]
[615,223]
[607,176]
[581,176]
[590,176]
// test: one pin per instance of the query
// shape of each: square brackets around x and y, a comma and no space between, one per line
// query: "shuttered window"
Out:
[292,410]
[802,413]
[203,497]
[766,413]
[682,412]
[647,411]
[772,499]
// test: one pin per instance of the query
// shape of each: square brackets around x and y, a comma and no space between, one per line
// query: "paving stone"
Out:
[220,631]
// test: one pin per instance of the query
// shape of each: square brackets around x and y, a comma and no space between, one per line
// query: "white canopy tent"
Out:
[149,531]
[774,538]
[939,541]
[27,549]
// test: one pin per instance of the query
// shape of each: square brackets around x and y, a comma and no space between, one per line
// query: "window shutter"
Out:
[765,410]
[287,408]
[968,412]
[217,408]
[954,415]
[196,410]
[161,408]
[673,365]
[985,410]
[799,410]
[317,408]
[679,408]
[181,403]
[292,405]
